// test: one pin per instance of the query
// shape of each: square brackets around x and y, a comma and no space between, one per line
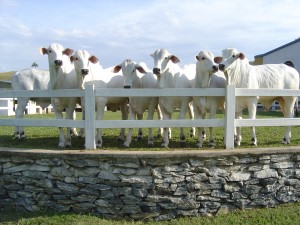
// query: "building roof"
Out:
[276,49]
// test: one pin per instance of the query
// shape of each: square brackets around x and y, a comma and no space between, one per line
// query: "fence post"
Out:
[229,116]
[89,98]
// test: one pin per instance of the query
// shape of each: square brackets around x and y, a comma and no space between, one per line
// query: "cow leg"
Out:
[150,116]
[82,132]
[159,116]
[191,116]
[73,131]
[70,110]
[166,116]
[181,116]
[140,130]
[238,135]
[61,144]
[252,106]
[288,105]
[20,110]
[124,117]
[199,115]
[100,106]
[132,116]
[212,115]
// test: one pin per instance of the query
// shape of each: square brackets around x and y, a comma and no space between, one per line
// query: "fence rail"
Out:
[90,124]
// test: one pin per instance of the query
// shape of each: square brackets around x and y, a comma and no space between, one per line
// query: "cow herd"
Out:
[69,69]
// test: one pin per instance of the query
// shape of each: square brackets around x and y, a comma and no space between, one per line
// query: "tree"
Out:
[35,65]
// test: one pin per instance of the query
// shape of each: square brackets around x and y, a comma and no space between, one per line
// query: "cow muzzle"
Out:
[84,72]
[215,69]
[222,67]
[58,62]
[156,71]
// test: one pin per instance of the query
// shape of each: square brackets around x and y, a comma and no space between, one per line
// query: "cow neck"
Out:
[237,74]
[202,79]
[136,83]
[55,77]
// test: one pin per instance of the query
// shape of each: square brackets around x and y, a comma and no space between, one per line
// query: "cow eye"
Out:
[76,58]
[233,56]
[49,51]
[166,57]
[203,58]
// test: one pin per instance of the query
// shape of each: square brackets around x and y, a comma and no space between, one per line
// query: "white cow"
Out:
[169,75]
[89,71]
[243,75]
[29,79]
[62,76]
[138,76]
[207,76]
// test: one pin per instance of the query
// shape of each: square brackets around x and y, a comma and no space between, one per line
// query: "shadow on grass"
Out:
[13,216]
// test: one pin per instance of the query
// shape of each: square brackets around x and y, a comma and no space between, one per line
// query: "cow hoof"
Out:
[17,138]
[150,145]
[164,145]
[203,135]
[125,146]
[99,144]
[284,141]
[182,144]
[68,146]
[236,144]
[120,139]
[211,144]
[199,145]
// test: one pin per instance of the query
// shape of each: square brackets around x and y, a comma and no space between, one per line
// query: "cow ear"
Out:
[174,59]
[140,69]
[197,57]
[93,59]
[218,59]
[152,55]
[72,59]
[43,51]
[68,51]
[241,56]
[116,69]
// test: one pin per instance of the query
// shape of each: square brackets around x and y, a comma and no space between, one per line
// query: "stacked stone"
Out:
[140,187]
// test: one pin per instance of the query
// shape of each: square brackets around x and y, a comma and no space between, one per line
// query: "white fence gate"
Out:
[90,124]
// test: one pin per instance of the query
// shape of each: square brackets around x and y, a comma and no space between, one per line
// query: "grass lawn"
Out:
[6,75]
[47,137]
[288,214]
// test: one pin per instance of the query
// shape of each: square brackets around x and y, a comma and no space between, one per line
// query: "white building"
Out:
[288,52]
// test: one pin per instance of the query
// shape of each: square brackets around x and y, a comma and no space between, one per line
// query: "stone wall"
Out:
[157,185]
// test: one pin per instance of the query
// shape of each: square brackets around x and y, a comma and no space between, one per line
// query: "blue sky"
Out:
[114,30]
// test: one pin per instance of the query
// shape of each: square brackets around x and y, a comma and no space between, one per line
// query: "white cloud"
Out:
[116,30]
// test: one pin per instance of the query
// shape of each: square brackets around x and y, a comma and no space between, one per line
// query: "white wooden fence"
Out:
[90,124]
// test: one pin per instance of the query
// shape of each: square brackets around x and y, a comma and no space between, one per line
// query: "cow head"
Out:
[129,71]
[56,53]
[206,62]
[81,60]
[229,57]
[205,66]
[162,59]
[163,66]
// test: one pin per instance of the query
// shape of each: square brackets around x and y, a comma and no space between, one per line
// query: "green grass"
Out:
[6,76]
[288,214]
[47,138]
